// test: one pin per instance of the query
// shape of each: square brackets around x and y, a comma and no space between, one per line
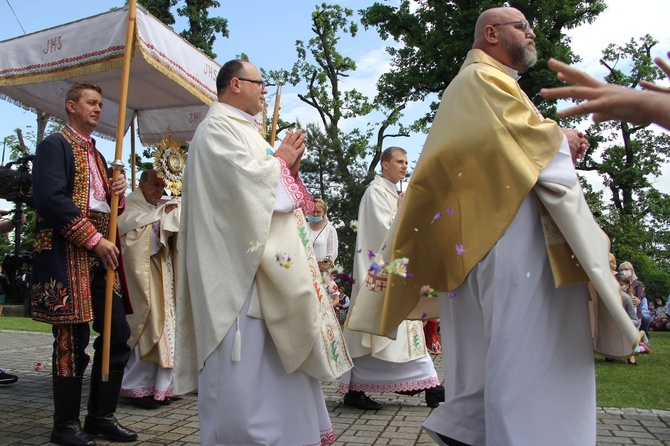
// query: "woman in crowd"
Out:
[661,321]
[627,302]
[323,235]
[324,239]
[637,293]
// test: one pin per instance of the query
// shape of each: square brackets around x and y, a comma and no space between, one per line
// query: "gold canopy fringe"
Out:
[171,74]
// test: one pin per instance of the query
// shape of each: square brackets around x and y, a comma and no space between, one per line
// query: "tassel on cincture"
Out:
[236,355]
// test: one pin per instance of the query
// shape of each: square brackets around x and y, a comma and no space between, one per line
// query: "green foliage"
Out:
[431,40]
[332,167]
[340,183]
[159,9]
[628,158]
[202,30]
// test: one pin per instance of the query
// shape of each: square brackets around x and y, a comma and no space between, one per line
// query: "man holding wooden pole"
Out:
[72,193]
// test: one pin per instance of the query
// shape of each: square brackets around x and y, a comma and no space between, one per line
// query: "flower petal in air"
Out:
[254,246]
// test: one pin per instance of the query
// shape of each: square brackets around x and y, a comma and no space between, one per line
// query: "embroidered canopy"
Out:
[172,83]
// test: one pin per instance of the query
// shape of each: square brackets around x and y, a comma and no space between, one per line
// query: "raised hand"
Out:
[291,150]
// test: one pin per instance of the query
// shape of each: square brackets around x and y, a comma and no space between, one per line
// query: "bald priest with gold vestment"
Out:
[501,246]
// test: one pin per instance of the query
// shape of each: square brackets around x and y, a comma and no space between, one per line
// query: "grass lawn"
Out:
[645,386]
[23,324]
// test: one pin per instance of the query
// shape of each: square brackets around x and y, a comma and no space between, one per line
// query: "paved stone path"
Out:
[26,410]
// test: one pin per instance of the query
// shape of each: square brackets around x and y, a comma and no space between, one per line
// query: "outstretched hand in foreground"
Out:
[608,101]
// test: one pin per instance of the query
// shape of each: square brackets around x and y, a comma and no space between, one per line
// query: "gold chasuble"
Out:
[479,163]
[445,234]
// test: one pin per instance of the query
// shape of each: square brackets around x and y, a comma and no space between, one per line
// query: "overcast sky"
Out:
[266,30]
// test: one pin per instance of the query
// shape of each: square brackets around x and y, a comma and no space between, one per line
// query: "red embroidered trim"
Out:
[90,244]
[63,352]
[79,231]
[295,189]
[92,58]
[328,437]
[98,187]
[171,65]
[79,272]
[158,395]
[406,386]
[375,283]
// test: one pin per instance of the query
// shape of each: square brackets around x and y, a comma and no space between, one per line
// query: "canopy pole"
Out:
[275,116]
[133,168]
[117,167]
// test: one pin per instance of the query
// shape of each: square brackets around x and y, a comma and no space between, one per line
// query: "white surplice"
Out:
[509,315]
[382,364]
[233,191]
[148,259]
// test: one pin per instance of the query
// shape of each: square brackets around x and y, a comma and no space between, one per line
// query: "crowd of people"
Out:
[220,291]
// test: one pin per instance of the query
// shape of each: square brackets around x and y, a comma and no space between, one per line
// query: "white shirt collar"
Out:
[393,186]
[251,118]
[512,72]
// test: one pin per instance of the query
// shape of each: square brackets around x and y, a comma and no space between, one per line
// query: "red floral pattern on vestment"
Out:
[296,190]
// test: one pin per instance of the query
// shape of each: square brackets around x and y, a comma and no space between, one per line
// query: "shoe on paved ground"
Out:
[409,392]
[70,433]
[361,401]
[108,426]
[435,396]
[169,400]
[7,378]
[145,402]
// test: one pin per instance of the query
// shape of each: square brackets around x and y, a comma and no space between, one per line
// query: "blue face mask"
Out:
[314,219]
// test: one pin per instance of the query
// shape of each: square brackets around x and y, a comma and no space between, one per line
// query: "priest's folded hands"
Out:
[291,150]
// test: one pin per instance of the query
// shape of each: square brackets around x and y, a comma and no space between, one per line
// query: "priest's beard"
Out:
[523,55]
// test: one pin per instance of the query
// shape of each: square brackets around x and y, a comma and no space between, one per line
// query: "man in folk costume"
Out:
[72,192]
[495,216]
[380,364]
[146,230]
[247,317]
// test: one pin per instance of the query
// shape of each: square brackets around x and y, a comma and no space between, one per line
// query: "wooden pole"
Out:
[117,167]
[275,116]
[133,167]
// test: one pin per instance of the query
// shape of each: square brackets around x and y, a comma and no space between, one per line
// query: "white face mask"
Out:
[627,273]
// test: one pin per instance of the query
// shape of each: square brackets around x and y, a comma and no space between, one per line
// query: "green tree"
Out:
[628,158]
[334,165]
[160,9]
[202,29]
[201,33]
[432,38]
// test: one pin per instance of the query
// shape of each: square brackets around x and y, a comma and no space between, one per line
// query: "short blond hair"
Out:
[320,202]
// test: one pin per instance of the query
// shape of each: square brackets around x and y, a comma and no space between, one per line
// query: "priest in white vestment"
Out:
[146,230]
[246,326]
[380,364]
[495,220]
